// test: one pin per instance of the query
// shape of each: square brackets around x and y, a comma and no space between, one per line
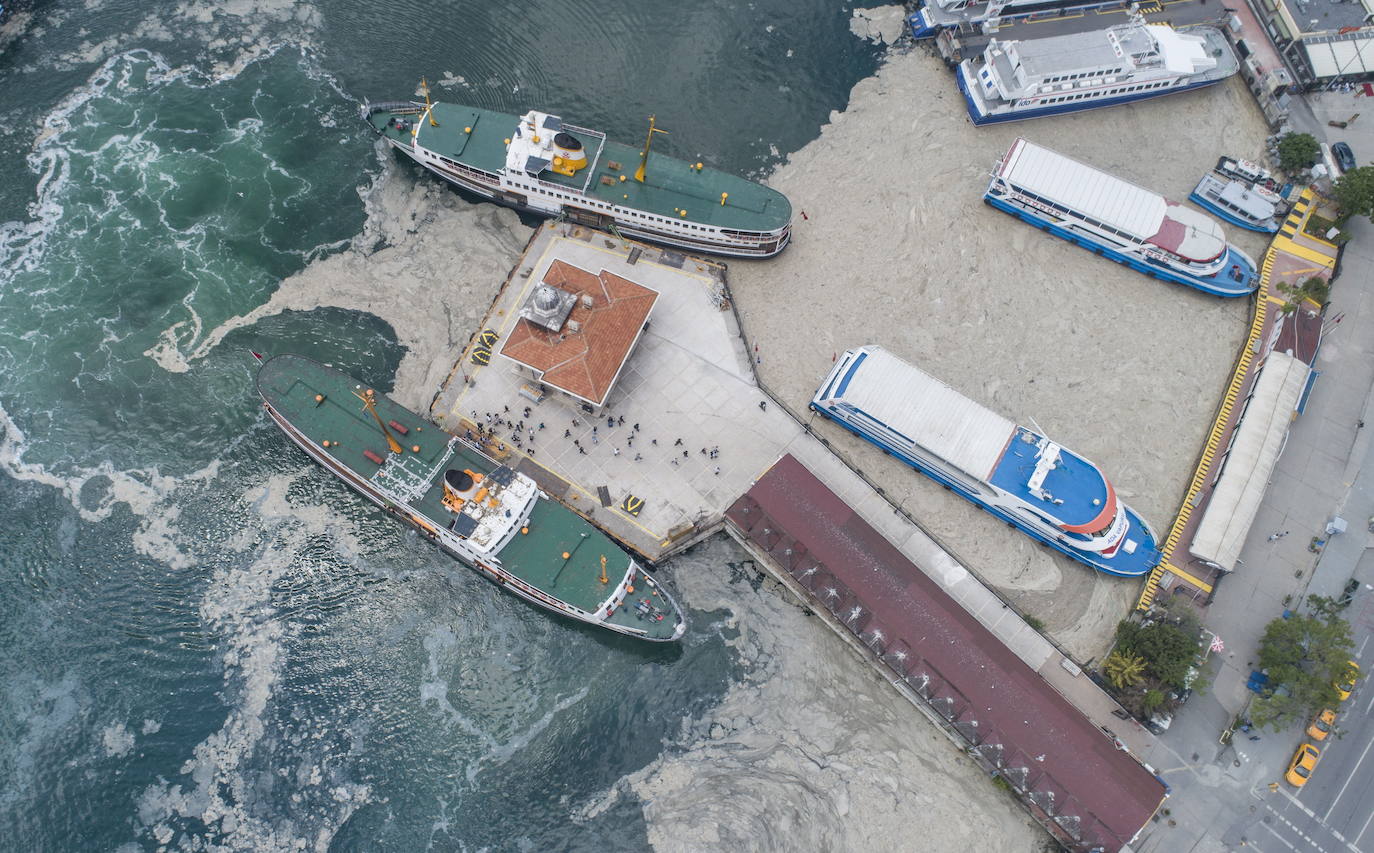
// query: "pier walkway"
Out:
[1292,257]
[691,378]
[1082,787]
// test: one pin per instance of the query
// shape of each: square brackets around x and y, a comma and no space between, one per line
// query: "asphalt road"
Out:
[1335,810]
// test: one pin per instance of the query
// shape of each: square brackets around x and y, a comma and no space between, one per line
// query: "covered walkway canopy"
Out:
[1351,56]
[1250,462]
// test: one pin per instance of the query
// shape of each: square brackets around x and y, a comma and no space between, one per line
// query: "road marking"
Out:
[1360,653]
[1363,829]
[1284,841]
[1370,706]
[1346,784]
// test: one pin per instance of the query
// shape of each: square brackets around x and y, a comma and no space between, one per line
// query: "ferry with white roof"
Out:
[1015,473]
[937,15]
[539,164]
[1033,78]
[1119,220]
[1235,202]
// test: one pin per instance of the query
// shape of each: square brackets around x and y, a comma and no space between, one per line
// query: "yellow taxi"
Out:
[1322,724]
[1345,682]
[1303,763]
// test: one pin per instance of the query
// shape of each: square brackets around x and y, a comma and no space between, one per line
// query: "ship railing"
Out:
[403,107]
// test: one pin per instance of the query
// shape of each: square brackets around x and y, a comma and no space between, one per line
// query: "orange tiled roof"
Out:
[585,363]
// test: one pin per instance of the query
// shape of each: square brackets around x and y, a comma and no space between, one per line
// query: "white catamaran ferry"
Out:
[538,164]
[1118,220]
[1013,472]
[1017,80]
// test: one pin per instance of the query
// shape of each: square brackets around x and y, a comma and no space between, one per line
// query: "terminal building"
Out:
[1323,41]
[577,330]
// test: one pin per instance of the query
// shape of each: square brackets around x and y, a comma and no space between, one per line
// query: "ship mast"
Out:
[644,157]
[429,110]
[369,398]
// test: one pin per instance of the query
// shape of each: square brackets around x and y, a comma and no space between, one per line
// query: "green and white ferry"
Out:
[539,164]
[489,516]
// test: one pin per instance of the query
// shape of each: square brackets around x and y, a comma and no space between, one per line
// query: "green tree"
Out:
[1303,656]
[1168,651]
[1315,288]
[1354,192]
[1152,701]
[1124,670]
[1298,151]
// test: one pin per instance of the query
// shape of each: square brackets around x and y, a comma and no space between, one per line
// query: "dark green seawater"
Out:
[205,641]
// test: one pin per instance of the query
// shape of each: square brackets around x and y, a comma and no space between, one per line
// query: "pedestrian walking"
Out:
[567,433]
[763,405]
[636,427]
[684,454]
[717,470]
[615,451]
[620,420]
[507,409]
[677,443]
[639,458]
[630,442]
[654,442]
[541,424]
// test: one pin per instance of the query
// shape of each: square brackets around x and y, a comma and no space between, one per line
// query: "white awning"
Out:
[1254,452]
[1340,58]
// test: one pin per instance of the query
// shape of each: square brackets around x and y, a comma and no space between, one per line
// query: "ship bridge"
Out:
[1069,487]
[1107,202]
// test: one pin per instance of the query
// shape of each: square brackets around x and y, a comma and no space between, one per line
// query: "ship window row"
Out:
[1120,90]
[1076,215]
[1082,75]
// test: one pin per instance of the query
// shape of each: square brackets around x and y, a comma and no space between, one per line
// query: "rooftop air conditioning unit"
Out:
[574,326]
[587,300]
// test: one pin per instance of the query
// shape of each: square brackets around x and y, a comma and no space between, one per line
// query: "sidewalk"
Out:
[1320,474]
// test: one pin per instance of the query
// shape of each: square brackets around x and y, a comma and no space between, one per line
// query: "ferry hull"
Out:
[1218,284]
[1269,226]
[1107,566]
[490,573]
[981,116]
[521,203]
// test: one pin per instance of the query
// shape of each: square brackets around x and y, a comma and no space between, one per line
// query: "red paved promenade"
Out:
[1071,776]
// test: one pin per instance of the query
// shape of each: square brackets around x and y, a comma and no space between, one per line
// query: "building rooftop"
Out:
[1044,747]
[585,357]
[1315,16]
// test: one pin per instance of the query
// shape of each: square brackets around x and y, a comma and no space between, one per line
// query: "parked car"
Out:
[1345,682]
[1345,158]
[1322,724]
[1303,763]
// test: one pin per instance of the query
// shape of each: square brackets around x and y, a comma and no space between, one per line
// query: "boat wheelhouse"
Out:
[1236,203]
[1042,488]
[1119,220]
[539,164]
[487,515]
[1032,78]
[1255,177]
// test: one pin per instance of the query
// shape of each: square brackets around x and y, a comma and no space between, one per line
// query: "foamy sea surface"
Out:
[206,642]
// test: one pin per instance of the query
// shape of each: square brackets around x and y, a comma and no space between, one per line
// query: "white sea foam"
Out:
[117,740]
[809,751]
[440,263]
[217,805]
[145,491]
[44,711]
[880,25]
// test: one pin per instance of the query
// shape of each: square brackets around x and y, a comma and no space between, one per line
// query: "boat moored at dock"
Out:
[487,515]
[538,164]
[1013,472]
[1236,203]
[1033,78]
[1119,220]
